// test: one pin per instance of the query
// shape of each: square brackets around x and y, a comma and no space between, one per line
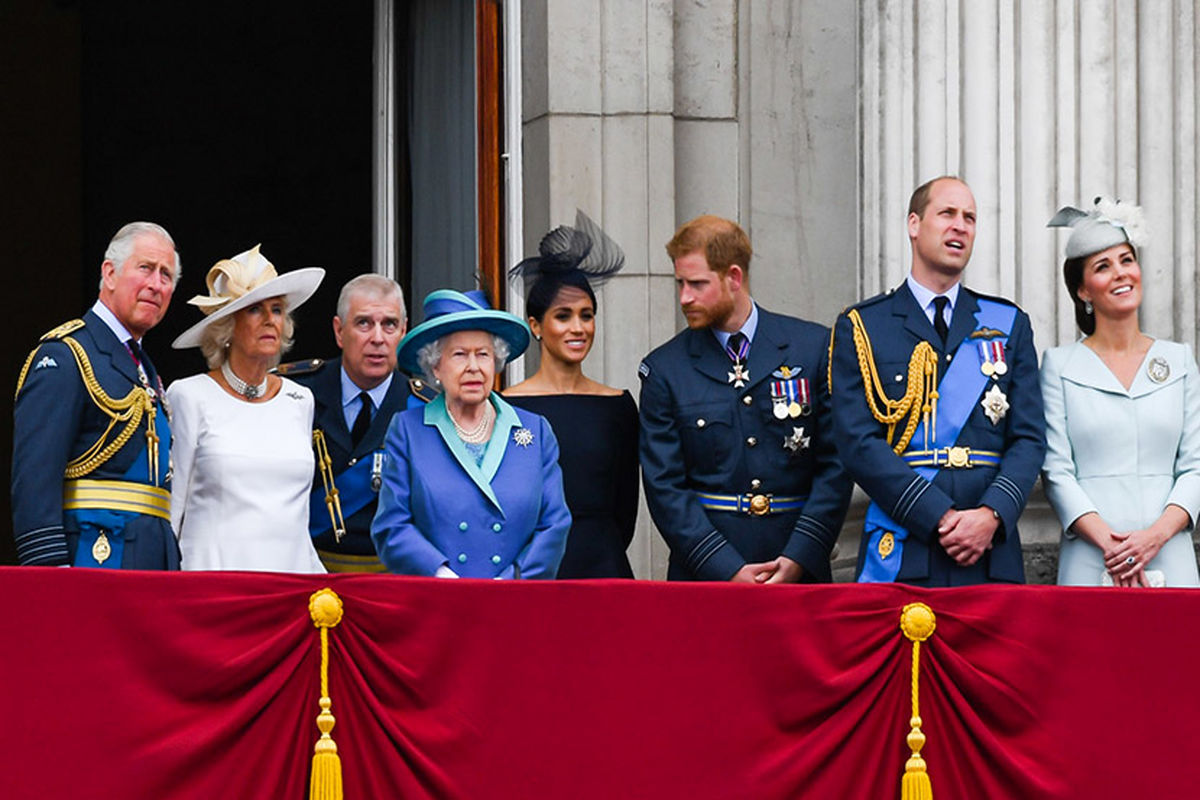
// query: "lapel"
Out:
[708,357]
[393,402]
[328,416]
[915,322]
[767,349]
[962,321]
[482,474]
[112,349]
[1085,368]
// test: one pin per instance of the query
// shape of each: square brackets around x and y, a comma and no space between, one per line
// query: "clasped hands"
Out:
[779,570]
[966,535]
[1127,554]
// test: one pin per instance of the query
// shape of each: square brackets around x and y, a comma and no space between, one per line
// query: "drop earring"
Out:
[1087,307]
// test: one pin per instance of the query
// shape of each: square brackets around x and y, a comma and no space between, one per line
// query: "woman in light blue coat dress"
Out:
[1122,467]
[471,487]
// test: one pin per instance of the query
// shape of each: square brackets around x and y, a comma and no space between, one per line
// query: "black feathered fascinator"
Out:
[583,257]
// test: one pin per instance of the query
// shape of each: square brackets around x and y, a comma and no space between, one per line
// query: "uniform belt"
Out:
[347,562]
[138,498]
[951,458]
[757,504]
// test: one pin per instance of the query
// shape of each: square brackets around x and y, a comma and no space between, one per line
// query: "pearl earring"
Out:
[1087,307]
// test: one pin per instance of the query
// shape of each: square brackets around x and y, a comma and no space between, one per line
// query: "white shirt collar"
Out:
[110,319]
[925,297]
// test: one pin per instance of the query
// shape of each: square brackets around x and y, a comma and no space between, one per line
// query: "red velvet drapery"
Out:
[206,685]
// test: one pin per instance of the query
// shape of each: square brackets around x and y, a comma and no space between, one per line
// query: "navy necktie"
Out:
[939,317]
[363,420]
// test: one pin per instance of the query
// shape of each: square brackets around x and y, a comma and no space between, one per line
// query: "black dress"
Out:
[598,452]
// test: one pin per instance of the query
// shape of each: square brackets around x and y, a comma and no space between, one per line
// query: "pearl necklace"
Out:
[481,432]
[247,390]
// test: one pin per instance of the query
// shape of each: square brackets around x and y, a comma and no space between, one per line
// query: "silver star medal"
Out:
[995,404]
[797,441]
[523,437]
[739,376]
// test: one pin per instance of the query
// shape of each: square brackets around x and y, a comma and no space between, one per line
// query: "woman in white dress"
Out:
[242,455]
[1122,467]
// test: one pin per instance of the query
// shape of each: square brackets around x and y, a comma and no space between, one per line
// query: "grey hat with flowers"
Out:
[1108,224]
[240,282]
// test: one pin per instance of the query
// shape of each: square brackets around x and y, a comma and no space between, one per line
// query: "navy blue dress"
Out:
[598,453]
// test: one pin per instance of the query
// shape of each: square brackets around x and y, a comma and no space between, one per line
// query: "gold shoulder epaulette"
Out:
[66,329]
[306,367]
[422,390]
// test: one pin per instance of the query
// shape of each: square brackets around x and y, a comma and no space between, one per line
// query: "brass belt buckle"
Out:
[760,505]
[959,457]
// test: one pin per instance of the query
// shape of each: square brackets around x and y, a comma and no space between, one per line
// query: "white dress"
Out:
[241,478]
[1124,453]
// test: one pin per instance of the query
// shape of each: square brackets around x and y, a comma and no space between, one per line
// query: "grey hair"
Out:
[216,338]
[120,247]
[373,286]
[428,356]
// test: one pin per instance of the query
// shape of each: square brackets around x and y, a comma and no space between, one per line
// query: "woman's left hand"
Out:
[1135,550]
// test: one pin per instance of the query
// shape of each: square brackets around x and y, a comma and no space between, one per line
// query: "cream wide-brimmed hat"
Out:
[239,282]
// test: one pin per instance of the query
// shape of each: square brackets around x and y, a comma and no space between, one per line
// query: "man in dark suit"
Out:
[356,396]
[740,470]
[938,412]
[90,432]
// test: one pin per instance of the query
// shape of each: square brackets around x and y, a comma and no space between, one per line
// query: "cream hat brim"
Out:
[295,287]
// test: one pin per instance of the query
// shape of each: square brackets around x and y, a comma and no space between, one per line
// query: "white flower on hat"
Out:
[1125,216]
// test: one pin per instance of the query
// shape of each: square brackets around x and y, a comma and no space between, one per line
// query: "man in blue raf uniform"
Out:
[740,470]
[356,396]
[937,411]
[90,432]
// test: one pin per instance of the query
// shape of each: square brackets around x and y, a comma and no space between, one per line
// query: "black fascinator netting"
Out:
[583,257]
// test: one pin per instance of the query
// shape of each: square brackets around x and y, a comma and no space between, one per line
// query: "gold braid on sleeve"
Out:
[920,396]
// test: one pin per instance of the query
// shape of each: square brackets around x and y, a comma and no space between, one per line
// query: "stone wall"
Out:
[810,121]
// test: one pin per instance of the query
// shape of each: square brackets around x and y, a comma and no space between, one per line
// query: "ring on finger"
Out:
[1131,561]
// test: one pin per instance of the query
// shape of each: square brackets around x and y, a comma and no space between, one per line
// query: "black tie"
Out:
[939,317]
[738,346]
[362,421]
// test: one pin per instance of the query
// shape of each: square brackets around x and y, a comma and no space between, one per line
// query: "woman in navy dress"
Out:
[597,425]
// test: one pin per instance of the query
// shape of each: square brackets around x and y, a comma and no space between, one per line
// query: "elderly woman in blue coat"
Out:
[471,486]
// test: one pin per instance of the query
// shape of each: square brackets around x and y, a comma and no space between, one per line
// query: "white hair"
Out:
[120,248]
[430,354]
[373,286]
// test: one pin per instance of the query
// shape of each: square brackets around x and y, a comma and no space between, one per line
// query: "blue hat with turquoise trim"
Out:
[448,311]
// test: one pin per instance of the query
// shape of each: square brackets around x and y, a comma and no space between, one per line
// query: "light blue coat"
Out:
[1122,453]
[503,518]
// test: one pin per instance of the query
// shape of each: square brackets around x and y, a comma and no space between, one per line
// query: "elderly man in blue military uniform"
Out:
[356,396]
[91,434]
[938,412]
[739,466]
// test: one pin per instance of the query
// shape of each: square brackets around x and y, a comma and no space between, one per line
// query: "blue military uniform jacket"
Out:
[701,434]
[503,518]
[895,325]
[55,421]
[326,385]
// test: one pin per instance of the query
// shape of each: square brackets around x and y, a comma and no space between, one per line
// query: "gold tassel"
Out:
[918,622]
[325,608]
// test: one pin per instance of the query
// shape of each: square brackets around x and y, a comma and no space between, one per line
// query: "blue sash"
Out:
[355,492]
[958,392]
[91,522]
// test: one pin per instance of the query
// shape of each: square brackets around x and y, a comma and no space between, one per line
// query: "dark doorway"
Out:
[231,124]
